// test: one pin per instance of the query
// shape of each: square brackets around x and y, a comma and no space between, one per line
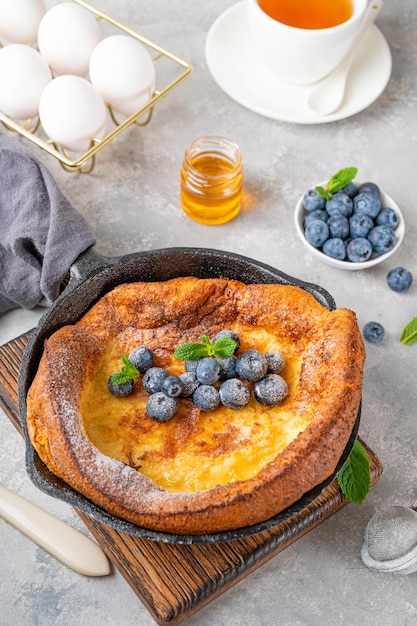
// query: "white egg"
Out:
[23,76]
[20,19]
[122,70]
[72,113]
[67,35]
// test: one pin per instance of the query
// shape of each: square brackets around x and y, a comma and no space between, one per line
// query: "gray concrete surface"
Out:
[132,202]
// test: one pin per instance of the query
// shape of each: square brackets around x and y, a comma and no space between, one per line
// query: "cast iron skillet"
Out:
[93,275]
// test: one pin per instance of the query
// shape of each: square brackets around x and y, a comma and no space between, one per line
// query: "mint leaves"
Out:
[337,182]
[221,348]
[127,372]
[409,334]
[354,477]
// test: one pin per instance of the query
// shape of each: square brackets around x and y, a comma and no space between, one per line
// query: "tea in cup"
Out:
[302,41]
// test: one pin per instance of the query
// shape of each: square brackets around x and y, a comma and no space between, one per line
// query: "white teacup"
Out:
[301,55]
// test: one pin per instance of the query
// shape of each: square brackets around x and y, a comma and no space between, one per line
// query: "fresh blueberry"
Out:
[227,367]
[360,225]
[319,214]
[228,333]
[172,386]
[271,390]
[373,332]
[276,362]
[234,393]
[359,250]
[335,248]
[338,226]
[121,390]
[251,365]
[153,378]
[350,190]
[371,188]
[399,279]
[316,233]
[387,217]
[142,358]
[340,203]
[312,201]
[161,407]
[189,384]
[191,366]
[367,204]
[208,371]
[382,239]
[206,398]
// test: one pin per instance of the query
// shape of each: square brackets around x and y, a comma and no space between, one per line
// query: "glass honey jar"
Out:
[211,180]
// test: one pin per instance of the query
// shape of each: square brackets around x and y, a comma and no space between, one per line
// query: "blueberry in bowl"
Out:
[349,224]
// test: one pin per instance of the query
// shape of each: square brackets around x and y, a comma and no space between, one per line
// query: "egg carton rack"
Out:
[32,129]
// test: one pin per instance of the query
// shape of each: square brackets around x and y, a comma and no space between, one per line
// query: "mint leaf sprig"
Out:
[223,347]
[354,477]
[409,334]
[127,372]
[337,182]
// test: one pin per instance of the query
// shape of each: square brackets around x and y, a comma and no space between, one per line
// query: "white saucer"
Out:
[235,67]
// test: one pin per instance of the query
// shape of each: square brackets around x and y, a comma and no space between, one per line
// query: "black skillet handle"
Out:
[87,264]
[70,305]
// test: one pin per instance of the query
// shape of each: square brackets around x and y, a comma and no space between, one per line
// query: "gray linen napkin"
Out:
[41,234]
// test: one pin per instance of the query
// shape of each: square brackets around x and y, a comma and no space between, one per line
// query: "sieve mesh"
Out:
[392,533]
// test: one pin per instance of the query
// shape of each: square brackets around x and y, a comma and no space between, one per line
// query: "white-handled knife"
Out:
[67,544]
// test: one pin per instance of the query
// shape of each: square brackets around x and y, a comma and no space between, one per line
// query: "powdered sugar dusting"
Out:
[148,317]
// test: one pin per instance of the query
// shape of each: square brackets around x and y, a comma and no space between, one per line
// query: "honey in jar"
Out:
[211,180]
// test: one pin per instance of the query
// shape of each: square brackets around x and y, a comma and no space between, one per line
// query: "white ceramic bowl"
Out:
[386,201]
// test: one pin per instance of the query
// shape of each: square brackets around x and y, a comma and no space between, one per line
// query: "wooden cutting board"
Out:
[175,581]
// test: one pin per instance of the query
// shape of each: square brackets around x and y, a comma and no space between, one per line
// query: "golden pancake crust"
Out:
[201,472]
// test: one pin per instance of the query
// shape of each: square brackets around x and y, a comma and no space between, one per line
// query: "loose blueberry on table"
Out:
[399,279]
[373,332]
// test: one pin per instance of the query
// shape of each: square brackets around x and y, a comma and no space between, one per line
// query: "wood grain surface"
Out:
[175,581]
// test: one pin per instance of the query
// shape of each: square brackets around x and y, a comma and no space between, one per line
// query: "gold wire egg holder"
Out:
[85,163]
